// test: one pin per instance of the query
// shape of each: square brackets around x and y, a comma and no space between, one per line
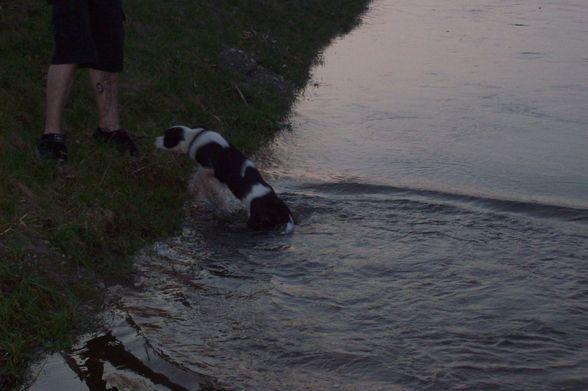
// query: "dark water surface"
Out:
[437,165]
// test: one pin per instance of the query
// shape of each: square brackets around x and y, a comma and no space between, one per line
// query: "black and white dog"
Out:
[217,160]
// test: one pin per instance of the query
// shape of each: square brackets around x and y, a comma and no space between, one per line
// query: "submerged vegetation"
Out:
[67,230]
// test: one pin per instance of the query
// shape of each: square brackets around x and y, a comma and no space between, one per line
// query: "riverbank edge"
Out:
[68,231]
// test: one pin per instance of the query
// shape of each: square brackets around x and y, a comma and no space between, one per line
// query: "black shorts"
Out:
[89,33]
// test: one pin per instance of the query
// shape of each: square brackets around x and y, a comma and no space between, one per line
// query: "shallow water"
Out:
[437,166]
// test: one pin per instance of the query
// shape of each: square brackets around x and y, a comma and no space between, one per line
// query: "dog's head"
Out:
[177,139]
[270,213]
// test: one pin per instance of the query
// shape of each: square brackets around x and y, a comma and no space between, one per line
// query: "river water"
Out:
[437,165]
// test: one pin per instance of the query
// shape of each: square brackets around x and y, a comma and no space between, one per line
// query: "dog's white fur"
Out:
[248,163]
[209,137]
[257,191]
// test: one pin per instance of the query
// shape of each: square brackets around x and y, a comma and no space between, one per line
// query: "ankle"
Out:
[109,129]
[53,137]
[52,131]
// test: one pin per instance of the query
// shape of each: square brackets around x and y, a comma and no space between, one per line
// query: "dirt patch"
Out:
[240,61]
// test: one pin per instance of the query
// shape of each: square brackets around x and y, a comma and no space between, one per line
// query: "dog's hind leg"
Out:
[205,187]
[196,184]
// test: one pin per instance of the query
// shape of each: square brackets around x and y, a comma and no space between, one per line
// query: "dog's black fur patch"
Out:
[268,212]
[227,163]
[173,136]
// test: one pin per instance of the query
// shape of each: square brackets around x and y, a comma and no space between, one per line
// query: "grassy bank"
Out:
[65,230]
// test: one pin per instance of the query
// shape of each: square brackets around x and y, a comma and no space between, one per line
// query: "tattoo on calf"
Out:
[99,88]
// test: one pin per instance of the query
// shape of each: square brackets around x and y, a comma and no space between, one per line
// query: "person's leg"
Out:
[105,86]
[107,20]
[73,46]
[59,80]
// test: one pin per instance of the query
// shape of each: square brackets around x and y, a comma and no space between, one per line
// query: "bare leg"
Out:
[105,85]
[106,90]
[59,80]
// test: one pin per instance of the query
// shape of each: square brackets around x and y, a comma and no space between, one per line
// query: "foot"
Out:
[52,147]
[120,138]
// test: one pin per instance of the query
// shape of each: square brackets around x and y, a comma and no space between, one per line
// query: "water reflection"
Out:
[486,99]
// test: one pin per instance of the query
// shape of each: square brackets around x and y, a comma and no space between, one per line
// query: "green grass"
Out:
[34,311]
[99,208]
